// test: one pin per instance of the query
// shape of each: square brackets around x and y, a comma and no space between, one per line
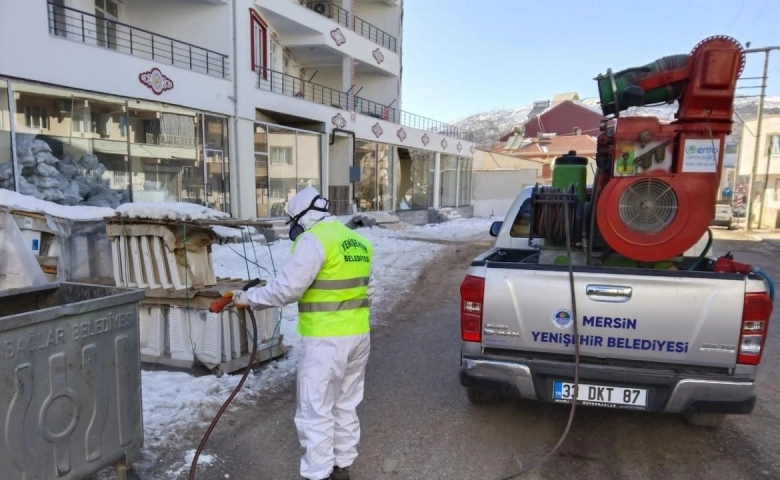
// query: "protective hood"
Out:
[301,201]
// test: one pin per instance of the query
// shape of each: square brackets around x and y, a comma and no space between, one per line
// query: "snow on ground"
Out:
[177,402]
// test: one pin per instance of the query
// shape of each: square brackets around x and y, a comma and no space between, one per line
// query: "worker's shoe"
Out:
[339,474]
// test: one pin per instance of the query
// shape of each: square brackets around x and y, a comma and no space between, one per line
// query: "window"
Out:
[259,32]
[777,190]
[281,155]
[36,118]
[121,179]
[773,145]
[59,20]
[107,13]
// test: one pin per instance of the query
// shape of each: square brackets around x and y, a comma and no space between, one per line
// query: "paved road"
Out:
[417,423]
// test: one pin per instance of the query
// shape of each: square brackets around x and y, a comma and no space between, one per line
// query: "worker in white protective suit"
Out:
[329,275]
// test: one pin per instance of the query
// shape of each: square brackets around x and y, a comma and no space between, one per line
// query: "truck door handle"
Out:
[608,293]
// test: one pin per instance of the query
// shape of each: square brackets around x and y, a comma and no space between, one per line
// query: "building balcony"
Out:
[72,24]
[281,83]
[353,22]
[320,34]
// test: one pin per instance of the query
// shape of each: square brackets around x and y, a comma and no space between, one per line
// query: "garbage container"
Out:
[70,395]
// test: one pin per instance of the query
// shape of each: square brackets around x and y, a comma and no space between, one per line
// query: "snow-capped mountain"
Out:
[489,126]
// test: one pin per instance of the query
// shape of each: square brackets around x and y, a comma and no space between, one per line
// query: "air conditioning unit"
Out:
[321,7]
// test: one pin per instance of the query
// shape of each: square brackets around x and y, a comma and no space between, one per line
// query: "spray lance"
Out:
[216,307]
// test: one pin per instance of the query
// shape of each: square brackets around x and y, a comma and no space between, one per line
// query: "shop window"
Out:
[59,164]
[6,158]
[449,181]
[373,192]
[414,172]
[217,163]
[307,146]
[464,181]
[73,149]
[292,162]
[261,139]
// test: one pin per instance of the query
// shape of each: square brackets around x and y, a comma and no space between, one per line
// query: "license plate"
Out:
[600,395]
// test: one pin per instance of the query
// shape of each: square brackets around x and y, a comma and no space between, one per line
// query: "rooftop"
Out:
[550,147]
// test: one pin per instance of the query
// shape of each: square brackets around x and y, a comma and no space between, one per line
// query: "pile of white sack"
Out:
[66,181]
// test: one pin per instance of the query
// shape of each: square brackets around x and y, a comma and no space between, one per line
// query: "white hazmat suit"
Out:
[331,370]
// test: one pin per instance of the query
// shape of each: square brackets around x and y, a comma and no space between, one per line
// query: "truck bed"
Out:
[663,317]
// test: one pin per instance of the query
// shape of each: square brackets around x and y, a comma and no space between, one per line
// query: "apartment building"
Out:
[233,104]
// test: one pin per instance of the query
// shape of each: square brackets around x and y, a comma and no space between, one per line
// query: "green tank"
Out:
[568,169]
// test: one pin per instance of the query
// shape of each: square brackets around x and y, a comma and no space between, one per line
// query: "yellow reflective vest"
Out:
[336,303]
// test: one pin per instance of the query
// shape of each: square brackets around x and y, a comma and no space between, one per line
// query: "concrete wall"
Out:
[381,15]
[494,191]
[199,23]
[485,160]
[71,62]
[353,45]
[382,89]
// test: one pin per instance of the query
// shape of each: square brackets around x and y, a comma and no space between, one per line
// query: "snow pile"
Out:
[169,211]
[18,201]
[175,402]
[203,459]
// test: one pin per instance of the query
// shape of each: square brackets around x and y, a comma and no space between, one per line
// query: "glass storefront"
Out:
[449,181]
[76,148]
[414,171]
[455,175]
[6,160]
[374,190]
[287,160]
[464,181]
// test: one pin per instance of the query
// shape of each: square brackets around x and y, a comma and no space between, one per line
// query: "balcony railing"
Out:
[278,82]
[422,123]
[166,140]
[284,84]
[361,27]
[377,110]
[87,28]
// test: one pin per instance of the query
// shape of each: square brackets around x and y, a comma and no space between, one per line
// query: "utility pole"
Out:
[757,151]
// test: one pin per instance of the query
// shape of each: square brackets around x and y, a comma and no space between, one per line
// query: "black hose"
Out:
[230,398]
[576,362]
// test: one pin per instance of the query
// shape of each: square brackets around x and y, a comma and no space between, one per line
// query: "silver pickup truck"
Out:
[660,340]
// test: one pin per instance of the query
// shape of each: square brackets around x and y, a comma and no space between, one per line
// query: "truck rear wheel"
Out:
[706,420]
[482,397]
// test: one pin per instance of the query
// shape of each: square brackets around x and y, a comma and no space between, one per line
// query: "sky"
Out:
[462,57]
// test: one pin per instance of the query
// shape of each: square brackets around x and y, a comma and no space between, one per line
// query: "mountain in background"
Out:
[489,126]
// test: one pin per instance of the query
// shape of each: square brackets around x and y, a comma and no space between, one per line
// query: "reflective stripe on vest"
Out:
[336,303]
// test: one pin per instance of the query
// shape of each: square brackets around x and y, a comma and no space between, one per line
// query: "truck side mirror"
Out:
[495,228]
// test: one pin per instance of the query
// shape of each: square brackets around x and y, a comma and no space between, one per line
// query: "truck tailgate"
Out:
[659,316]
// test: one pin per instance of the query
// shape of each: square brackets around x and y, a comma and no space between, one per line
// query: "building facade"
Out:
[767,179]
[232,104]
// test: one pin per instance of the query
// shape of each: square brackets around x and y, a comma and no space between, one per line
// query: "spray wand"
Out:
[216,307]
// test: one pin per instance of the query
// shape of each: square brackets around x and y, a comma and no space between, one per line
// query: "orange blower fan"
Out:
[657,193]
